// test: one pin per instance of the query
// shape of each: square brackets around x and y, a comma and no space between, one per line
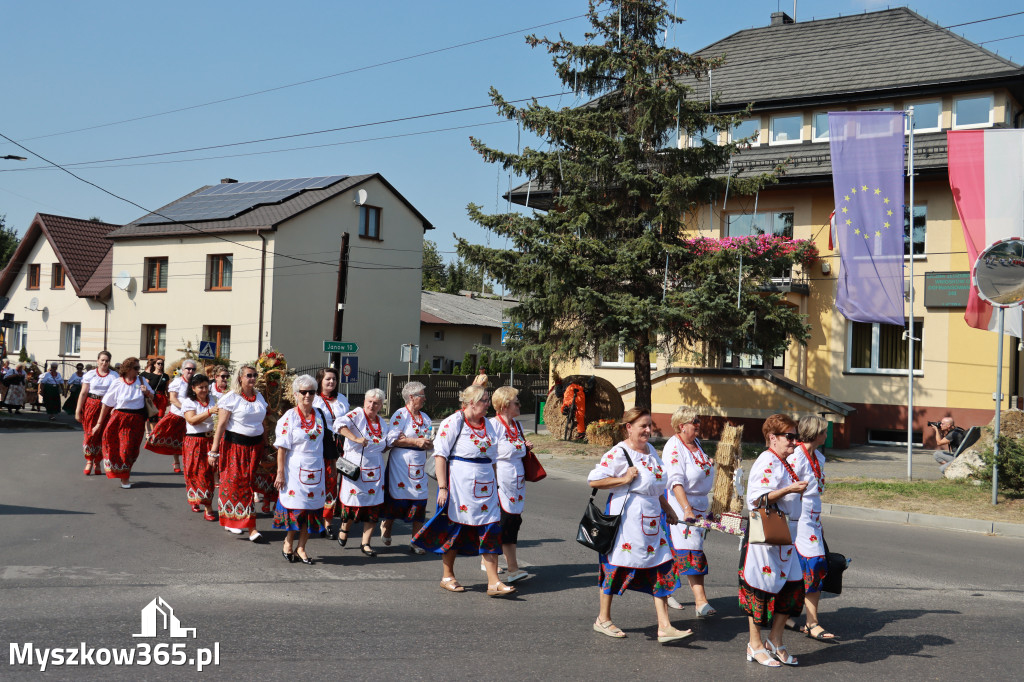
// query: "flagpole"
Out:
[910,317]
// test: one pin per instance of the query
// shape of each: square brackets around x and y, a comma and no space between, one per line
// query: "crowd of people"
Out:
[17,381]
[661,501]
[330,460]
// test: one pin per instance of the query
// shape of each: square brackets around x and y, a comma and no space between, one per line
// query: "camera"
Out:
[937,425]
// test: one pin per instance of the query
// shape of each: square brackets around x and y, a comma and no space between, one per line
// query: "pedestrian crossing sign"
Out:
[206,350]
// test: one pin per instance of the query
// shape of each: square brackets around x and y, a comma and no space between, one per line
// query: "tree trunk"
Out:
[642,375]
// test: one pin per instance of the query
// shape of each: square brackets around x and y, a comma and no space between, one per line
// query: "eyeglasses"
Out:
[249,376]
[696,422]
[418,395]
[306,392]
[224,376]
[188,369]
[788,436]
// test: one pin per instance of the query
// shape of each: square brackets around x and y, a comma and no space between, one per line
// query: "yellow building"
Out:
[793,74]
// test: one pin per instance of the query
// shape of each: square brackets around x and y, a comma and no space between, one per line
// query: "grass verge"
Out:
[944,498]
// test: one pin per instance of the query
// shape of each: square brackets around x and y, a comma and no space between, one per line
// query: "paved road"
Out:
[82,557]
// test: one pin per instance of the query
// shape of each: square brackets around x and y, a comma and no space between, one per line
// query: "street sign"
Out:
[207,350]
[511,331]
[349,369]
[340,347]
[410,353]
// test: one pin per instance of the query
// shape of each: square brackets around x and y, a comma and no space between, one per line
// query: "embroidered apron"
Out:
[641,542]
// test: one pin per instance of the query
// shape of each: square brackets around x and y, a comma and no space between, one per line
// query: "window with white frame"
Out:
[747,128]
[874,348]
[972,112]
[920,230]
[624,358]
[437,364]
[786,129]
[779,223]
[819,130]
[704,136]
[71,338]
[19,336]
[927,116]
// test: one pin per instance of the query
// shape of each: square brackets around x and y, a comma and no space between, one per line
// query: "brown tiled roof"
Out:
[259,218]
[81,246]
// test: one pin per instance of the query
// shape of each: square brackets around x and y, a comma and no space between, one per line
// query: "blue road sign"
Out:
[349,369]
[207,350]
[511,331]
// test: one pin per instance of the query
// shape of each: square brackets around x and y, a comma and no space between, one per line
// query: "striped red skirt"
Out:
[198,472]
[161,401]
[167,436]
[92,446]
[237,470]
[121,440]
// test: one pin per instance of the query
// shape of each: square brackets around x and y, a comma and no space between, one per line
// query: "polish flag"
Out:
[986,174]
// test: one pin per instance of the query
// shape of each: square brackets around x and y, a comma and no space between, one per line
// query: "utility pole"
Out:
[339,308]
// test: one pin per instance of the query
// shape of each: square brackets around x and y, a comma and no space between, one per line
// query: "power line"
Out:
[979,21]
[996,40]
[309,80]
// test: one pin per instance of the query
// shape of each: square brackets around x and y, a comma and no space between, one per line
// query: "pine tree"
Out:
[589,273]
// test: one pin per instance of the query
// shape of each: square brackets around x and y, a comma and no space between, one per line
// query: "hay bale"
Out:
[603,432]
[604,402]
[728,457]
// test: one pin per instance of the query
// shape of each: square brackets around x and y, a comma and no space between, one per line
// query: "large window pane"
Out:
[779,223]
[821,126]
[860,347]
[747,128]
[786,129]
[972,111]
[927,115]
[920,230]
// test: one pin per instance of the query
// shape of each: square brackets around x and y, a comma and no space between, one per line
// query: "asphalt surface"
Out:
[82,557]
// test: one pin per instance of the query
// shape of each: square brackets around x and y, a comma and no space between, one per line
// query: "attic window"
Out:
[751,128]
[33,277]
[57,276]
[787,129]
[927,116]
[972,112]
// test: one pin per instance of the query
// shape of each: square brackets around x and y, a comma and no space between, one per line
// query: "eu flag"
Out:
[867,180]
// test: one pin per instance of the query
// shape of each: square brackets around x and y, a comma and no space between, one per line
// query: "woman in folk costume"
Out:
[809,464]
[405,489]
[122,435]
[168,435]
[641,558]
[512,447]
[239,445]
[333,406]
[771,581]
[691,474]
[220,376]
[199,409]
[95,385]
[51,384]
[16,381]
[299,439]
[74,385]
[468,517]
[367,436]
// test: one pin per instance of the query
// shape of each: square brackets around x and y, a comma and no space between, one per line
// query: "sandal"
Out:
[752,658]
[607,628]
[518,575]
[673,635]
[823,636]
[775,651]
[500,589]
[705,611]
[452,585]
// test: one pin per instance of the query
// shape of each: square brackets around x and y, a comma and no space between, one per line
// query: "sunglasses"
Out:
[249,376]
[224,376]
[306,392]
[788,436]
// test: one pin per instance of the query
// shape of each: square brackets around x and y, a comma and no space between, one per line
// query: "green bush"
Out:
[23,355]
[467,364]
[456,369]
[425,369]
[1011,464]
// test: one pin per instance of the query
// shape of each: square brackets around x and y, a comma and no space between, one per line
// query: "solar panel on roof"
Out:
[228,200]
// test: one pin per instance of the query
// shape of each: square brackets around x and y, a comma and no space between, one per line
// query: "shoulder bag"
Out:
[349,469]
[330,444]
[768,524]
[532,467]
[837,563]
[597,530]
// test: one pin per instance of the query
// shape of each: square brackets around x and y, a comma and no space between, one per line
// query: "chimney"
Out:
[228,181]
[780,18]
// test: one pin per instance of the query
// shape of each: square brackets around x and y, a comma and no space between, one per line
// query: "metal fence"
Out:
[443,390]
[355,390]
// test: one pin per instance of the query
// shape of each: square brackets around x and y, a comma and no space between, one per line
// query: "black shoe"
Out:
[365,549]
[290,556]
[342,540]
[306,560]
[329,532]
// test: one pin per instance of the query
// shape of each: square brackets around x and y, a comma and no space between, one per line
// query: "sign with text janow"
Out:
[340,347]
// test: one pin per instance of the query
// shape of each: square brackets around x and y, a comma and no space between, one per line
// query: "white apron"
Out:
[769,567]
[407,475]
[472,487]
[510,470]
[808,537]
[695,471]
[368,491]
[304,466]
[641,542]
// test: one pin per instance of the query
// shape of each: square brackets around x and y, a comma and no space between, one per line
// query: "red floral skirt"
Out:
[404,510]
[161,401]
[690,561]
[660,581]
[761,605]
[330,491]
[440,535]
[92,446]
[198,472]
[368,514]
[237,470]
[167,436]
[815,569]
[121,439]
[298,519]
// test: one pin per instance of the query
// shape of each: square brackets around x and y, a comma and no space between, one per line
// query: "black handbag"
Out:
[330,440]
[597,530]
[837,563]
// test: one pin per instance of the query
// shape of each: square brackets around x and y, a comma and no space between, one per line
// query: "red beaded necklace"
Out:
[815,467]
[374,427]
[699,457]
[247,398]
[417,422]
[102,375]
[789,468]
[306,425]
[513,434]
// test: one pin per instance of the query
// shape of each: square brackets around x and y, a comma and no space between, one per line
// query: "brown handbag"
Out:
[769,525]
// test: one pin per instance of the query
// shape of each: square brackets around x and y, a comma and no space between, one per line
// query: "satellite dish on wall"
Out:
[33,305]
[123,280]
[360,197]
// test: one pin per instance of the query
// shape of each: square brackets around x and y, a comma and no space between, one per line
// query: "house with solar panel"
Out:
[792,74]
[255,265]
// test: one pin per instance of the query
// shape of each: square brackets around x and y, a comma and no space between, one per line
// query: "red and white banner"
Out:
[986,174]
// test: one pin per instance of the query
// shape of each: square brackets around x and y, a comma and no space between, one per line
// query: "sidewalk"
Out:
[28,418]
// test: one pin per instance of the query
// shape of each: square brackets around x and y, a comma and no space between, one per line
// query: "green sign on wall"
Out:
[946,289]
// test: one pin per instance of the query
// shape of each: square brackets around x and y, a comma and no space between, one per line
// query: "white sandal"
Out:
[752,658]
[774,651]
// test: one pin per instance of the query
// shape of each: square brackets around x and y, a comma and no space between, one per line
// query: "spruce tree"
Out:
[590,271]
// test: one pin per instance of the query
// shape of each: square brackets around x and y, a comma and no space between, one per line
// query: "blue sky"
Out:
[70,66]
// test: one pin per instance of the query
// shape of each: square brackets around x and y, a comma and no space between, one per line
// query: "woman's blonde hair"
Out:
[810,427]
[684,414]
[503,397]
[472,394]
[236,381]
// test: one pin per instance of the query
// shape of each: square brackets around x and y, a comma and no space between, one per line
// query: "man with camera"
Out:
[948,436]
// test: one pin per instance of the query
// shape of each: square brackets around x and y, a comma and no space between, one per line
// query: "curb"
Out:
[1013,530]
[29,423]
